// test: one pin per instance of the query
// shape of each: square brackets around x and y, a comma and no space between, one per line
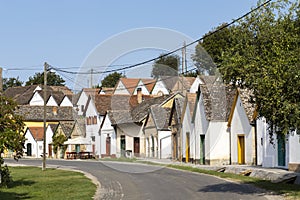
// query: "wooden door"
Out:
[187,147]
[241,149]
[136,143]
[49,150]
[123,145]
[29,149]
[108,146]
[174,152]
[202,149]
[281,150]
[93,149]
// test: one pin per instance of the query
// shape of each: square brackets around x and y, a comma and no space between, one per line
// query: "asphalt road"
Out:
[138,181]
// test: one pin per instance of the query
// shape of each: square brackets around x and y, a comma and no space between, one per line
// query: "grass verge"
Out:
[290,191]
[33,183]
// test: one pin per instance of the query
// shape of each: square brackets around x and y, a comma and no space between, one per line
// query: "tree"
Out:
[11,135]
[111,79]
[266,60]
[58,144]
[209,51]
[11,82]
[166,66]
[52,79]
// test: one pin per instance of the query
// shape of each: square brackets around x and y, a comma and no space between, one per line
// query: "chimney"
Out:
[1,80]
[54,110]
[139,95]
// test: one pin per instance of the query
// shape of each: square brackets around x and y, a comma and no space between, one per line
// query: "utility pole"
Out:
[1,80]
[45,114]
[184,65]
[92,77]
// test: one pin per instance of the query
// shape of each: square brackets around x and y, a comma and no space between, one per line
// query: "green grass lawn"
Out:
[33,183]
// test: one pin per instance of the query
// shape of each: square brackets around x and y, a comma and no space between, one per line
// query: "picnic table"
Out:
[79,155]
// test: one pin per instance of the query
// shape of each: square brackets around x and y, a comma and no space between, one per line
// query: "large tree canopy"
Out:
[262,53]
[52,79]
[11,82]
[111,79]
[11,134]
[166,66]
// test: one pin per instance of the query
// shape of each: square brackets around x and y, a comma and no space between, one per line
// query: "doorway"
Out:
[174,153]
[136,149]
[50,150]
[281,150]
[241,149]
[29,149]
[108,139]
[123,145]
[202,149]
[187,147]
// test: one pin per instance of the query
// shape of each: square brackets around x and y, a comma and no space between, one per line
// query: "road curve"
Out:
[135,181]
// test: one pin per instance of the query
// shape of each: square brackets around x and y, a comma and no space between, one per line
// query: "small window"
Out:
[93,138]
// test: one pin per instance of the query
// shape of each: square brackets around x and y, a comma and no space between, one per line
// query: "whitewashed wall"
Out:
[164,144]
[240,125]
[294,152]
[159,87]
[81,103]
[51,101]
[187,127]
[66,102]
[121,89]
[200,125]
[36,100]
[217,143]
[31,140]
[92,130]
[195,85]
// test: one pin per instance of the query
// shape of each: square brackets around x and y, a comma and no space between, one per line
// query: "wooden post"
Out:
[45,114]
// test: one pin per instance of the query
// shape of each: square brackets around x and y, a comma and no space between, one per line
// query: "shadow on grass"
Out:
[6,194]
[21,182]
[13,195]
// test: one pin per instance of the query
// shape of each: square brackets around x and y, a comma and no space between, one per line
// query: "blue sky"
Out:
[64,32]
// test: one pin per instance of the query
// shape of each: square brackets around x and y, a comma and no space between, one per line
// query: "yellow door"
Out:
[241,149]
[187,147]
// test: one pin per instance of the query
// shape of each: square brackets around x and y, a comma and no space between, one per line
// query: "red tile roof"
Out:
[37,133]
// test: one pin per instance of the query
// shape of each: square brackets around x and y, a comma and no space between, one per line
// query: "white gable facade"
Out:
[200,129]
[212,138]
[195,85]
[188,137]
[108,139]
[81,103]
[51,102]
[66,102]
[142,87]
[242,136]
[121,89]
[159,88]
[31,146]
[93,122]
[36,100]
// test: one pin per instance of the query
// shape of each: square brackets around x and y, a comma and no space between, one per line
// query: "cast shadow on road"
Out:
[242,189]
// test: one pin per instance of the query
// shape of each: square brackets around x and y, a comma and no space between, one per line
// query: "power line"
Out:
[175,50]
